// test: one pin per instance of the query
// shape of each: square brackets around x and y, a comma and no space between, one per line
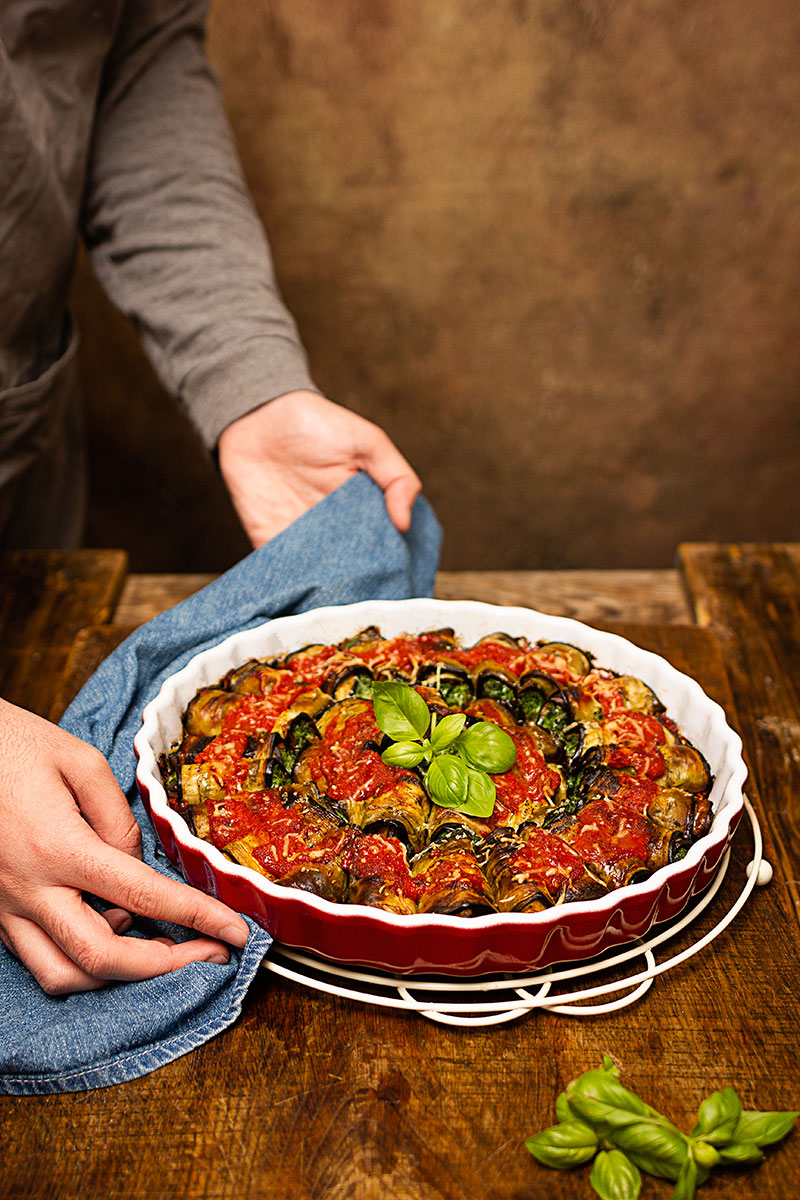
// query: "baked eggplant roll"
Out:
[450,880]
[533,869]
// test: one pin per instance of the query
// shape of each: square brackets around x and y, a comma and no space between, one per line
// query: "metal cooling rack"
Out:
[493,1000]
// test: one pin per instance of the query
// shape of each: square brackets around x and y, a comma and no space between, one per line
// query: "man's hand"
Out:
[282,458]
[66,828]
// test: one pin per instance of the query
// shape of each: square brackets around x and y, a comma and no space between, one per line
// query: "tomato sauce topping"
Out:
[225,754]
[547,860]
[403,654]
[374,855]
[351,769]
[258,714]
[634,739]
[608,834]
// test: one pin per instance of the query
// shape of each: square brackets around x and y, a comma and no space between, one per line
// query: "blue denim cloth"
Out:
[343,550]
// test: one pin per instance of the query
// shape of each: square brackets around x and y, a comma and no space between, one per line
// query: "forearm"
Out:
[171,229]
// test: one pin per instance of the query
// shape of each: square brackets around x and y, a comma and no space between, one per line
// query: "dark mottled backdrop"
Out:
[553,246]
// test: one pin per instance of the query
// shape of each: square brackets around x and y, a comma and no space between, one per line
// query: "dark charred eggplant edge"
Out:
[493,880]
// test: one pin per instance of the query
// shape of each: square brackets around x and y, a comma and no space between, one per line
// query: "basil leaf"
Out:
[563,1110]
[717,1117]
[400,711]
[740,1154]
[488,747]
[614,1177]
[570,1144]
[403,754]
[686,1182]
[447,731]
[447,781]
[660,1149]
[600,1098]
[764,1128]
[481,794]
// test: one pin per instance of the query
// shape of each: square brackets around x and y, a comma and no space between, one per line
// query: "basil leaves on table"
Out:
[460,760]
[600,1120]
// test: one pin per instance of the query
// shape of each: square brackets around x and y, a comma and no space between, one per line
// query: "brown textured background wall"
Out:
[552,246]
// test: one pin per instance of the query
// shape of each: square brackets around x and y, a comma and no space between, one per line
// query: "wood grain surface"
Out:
[590,596]
[46,597]
[750,597]
[310,1097]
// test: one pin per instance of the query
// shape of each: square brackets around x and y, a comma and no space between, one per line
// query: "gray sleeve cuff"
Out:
[238,382]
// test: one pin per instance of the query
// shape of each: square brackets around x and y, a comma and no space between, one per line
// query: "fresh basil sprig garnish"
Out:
[460,761]
[600,1120]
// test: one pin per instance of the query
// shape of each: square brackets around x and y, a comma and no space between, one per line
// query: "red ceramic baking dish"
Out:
[426,943]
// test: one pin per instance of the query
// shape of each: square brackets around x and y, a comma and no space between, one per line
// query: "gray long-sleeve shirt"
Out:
[111,125]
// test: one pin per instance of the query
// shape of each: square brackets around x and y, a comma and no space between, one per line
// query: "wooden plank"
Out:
[145,596]
[90,647]
[590,596]
[45,598]
[596,597]
[749,595]
[309,1097]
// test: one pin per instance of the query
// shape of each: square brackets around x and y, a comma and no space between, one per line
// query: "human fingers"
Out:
[400,495]
[101,800]
[119,920]
[53,970]
[400,484]
[92,866]
[69,946]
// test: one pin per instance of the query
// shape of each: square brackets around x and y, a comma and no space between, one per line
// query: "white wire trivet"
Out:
[453,1003]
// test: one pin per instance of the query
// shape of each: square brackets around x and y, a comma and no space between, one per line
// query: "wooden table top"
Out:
[312,1096]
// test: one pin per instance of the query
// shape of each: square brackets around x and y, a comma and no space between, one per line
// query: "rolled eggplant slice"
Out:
[450,681]
[670,810]
[241,851]
[328,881]
[563,657]
[582,705]
[377,892]
[445,823]
[620,847]
[622,693]
[685,768]
[207,709]
[201,782]
[366,638]
[301,732]
[257,678]
[497,684]
[351,679]
[556,718]
[511,889]
[192,745]
[347,766]
[402,811]
[532,869]
[503,639]
[533,691]
[380,876]
[286,836]
[451,880]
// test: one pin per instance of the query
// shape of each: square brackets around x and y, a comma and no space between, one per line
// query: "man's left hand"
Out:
[281,459]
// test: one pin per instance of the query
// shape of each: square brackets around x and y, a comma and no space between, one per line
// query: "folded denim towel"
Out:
[344,550]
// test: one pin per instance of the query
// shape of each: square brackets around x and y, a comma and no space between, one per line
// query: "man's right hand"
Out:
[65,829]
